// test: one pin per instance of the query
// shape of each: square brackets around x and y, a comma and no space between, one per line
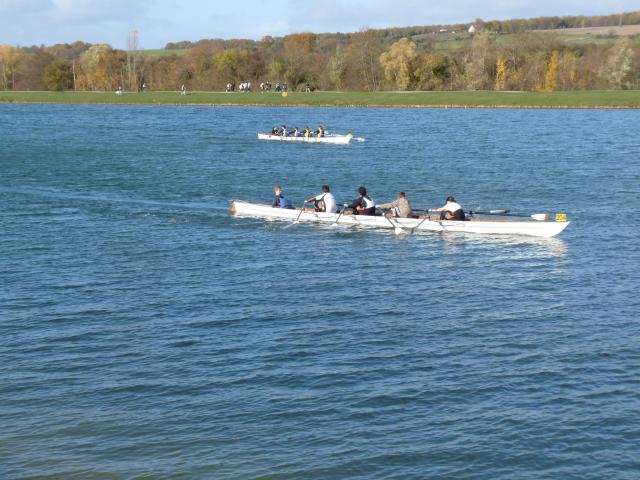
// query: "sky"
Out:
[36,22]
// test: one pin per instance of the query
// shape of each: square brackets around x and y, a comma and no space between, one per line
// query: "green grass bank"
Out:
[463,99]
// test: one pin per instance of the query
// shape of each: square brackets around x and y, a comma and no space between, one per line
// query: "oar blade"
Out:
[540,217]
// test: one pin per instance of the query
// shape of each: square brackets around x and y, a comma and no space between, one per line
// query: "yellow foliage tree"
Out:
[398,61]
[501,73]
[551,77]
[99,69]
[10,58]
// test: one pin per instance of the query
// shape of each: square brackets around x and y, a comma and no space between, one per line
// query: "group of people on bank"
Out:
[364,205]
[306,132]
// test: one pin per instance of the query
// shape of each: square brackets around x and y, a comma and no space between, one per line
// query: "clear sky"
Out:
[34,22]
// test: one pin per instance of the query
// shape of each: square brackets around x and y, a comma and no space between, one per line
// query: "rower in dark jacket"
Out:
[364,204]
[279,201]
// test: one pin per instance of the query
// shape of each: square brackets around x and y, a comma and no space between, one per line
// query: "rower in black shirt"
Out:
[364,204]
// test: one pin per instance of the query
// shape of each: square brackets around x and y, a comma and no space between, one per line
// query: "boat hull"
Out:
[492,227]
[334,139]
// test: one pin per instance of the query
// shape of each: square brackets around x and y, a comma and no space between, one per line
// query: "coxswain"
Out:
[400,207]
[451,210]
[279,200]
[325,202]
[364,204]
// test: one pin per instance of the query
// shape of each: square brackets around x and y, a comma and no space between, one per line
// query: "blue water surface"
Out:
[145,332]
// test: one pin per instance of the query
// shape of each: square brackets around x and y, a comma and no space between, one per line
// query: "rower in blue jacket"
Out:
[279,200]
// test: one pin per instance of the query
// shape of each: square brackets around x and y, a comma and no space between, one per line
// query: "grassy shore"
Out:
[579,99]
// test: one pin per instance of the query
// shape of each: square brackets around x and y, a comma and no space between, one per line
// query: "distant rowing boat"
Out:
[485,226]
[333,139]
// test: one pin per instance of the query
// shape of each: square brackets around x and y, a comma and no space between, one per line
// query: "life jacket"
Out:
[368,202]
[324,205]
[284,203]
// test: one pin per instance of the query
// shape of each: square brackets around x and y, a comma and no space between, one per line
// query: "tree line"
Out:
[500,55]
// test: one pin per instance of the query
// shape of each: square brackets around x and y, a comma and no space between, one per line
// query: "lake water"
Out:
[147,333]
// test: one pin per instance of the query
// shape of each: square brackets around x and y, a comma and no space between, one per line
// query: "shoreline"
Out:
[302,105]
[578,100]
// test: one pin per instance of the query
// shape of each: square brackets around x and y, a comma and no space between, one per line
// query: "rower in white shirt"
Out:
[451,210]
[325,202]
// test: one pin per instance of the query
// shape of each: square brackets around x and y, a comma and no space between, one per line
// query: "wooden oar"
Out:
[344,207]
[418,225]
[489,212]
[297,220]
[541,217]
[479,212]
[397,229]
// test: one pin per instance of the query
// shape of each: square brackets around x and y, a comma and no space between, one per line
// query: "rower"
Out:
[320,131]
[307,132]
[296,132]
[283,131]
[279,200]
[364,204]
[451,210]
[325,202]
[274,131]
[399,207]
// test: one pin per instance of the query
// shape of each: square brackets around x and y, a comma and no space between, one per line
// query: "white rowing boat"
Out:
[333,139]
[486,226]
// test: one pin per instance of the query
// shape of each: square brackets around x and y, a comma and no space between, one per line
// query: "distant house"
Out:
[443,30]
[472,29]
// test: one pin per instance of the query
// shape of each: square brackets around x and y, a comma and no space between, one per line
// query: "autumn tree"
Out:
[567,70]
[29,73]
[620,65]
[10,58]
[433,71]
[277,69]
[200,60]
[299,49]
[337,68]
[58,76]
[479,60]
[551,77]
[102,68]
[501,73]
[398,63]
[363,70]
[230,62]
